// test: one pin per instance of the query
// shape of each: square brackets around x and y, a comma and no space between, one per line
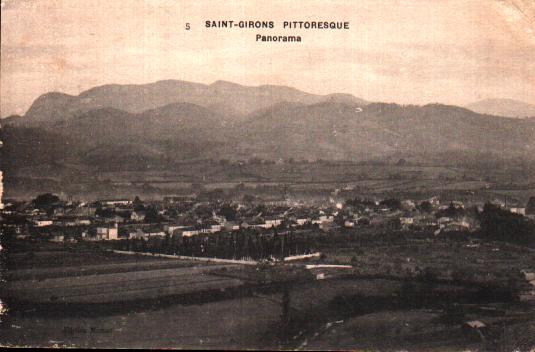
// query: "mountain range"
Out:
[127,127]
[503,107]
[229,99]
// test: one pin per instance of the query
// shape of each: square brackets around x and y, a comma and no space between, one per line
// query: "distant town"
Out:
[207,225]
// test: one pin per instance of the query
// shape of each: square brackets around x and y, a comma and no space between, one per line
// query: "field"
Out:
[127,286]
[37,255]
[130,301]
[447,256]
[298,179]
[210,325]
[388,299]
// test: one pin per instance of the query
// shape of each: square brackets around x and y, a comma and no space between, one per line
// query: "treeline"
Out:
[502,225]
[236,245]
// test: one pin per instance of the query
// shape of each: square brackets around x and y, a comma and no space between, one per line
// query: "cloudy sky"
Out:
[410,51]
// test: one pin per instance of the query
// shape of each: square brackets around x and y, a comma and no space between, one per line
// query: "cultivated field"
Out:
[409,291]
[315,177]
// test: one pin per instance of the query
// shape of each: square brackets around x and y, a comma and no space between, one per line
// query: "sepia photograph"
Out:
[312,175]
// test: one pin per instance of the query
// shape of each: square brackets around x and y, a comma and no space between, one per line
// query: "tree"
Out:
[426,207]
[401,162]
[104,212]
[450,212]
[530,207]
[500,224]
[138,204]
[151,215]
[392,204]
[44,201]
[247,198]
[229,212]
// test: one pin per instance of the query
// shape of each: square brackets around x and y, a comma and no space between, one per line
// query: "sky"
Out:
[409,52]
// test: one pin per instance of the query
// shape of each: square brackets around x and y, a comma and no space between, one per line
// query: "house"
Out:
[215,228]
[155,233]
[302,221]
[86,236]
[145,234]
[231,226]
[326,225]
[378,221]
[444,220]
[434,201]
[320,276]
[520,211]
[474,324]
[406,220]
[349,224]
[254,224]
[83,221]
[114,202]
[456,226]
[190,233]
[170,229]
[42,223]
[269,223]
[185,231]
[138,216]
[179,199]
[20,233]
[363,221]
[59,211]
[528,275]
[57,237]
[84,210]
[276,202]
[527,295]
[37,212]
[67,222]
[138,234]
[323,219]
[408,204]
[457,204]
[114,219]
[108,233]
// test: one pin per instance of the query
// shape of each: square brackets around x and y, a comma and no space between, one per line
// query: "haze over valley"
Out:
[162,125]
